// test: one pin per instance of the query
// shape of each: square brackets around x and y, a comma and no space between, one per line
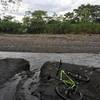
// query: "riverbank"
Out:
[42,43]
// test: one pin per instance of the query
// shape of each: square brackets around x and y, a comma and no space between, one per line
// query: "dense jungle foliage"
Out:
[84,19]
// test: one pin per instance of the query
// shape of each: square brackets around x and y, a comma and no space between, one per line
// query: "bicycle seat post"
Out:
[59,67]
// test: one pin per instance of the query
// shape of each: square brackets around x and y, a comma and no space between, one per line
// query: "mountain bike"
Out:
[67,87]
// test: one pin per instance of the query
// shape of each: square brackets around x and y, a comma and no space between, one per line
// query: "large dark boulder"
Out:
[10,66]
[46,89]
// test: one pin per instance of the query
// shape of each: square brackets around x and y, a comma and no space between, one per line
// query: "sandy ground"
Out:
[69,43]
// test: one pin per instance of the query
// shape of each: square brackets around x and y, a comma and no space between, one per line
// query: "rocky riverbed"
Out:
[39,84]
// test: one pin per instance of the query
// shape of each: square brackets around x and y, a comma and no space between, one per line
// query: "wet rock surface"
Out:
[46,89]
[39,84]
[10,66]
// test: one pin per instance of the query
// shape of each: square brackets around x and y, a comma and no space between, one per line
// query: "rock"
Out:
[10,66]
[26,86]
[8,91]
[48,82]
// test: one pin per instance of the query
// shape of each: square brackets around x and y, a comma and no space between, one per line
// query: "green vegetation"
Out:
[84,19]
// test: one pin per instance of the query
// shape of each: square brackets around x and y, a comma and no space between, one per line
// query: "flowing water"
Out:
[37,59]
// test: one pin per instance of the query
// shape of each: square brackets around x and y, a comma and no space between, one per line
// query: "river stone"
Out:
[11,66]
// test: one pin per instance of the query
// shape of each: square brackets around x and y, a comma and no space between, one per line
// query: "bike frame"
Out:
[65,78]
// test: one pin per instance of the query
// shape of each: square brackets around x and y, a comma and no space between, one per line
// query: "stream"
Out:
[37,59]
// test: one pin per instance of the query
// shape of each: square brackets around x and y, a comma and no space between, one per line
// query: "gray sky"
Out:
[58,6]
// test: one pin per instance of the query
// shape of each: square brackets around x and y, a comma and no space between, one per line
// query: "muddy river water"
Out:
[37,59]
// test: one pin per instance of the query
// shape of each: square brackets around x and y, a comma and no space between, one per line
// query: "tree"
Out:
[6,5]
[39,15]
[38,21]
[26,23]
[96,13]
[69,16]
[8,18]
[84,13]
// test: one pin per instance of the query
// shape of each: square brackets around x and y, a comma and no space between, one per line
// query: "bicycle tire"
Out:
[77,96]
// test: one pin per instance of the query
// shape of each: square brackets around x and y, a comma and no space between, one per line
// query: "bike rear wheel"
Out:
[64,92]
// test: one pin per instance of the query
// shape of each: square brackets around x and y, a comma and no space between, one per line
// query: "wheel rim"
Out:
[60,91]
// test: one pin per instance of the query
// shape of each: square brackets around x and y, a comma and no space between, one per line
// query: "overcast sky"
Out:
[58,6]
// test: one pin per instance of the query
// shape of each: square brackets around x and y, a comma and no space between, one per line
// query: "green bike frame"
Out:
[66,79]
